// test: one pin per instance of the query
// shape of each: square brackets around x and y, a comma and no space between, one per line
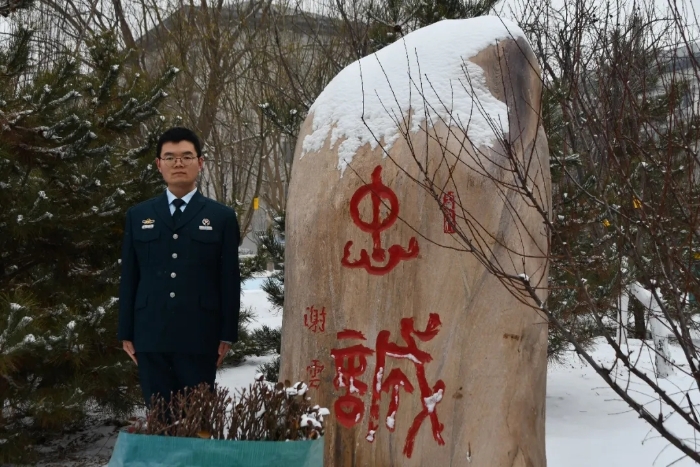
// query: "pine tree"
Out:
[75,152]
[265,339]
[272,249]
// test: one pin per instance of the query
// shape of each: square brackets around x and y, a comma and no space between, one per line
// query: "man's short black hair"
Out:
[177,134]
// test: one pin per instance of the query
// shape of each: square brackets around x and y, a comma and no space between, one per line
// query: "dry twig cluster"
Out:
[263,412]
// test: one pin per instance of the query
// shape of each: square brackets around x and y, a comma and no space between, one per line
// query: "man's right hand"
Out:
[128,347]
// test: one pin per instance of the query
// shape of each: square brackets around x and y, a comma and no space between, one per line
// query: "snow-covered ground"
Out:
[587,424]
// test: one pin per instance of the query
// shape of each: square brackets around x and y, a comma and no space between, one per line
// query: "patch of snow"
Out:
[380,376]
[353,389]
[310,421]
[410,356]
[341,383]
[370,436]
[24,321]
[432,401]
[298,389]
[391,420]
[587,424]
[425,77]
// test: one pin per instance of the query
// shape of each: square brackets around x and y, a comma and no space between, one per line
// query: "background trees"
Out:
[75,149]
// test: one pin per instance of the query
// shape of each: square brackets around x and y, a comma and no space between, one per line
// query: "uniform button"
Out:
[172,294]
[175,236]
[173,275]
[174,255]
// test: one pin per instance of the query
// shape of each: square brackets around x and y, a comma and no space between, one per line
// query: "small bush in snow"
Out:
[263,412]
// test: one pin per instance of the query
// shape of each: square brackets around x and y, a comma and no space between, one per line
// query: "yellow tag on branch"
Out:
[606,223]
[256,204]
[636,203]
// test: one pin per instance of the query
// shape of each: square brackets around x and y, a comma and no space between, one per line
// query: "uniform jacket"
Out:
[180,284]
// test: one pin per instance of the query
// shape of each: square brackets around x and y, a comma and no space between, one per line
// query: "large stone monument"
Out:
[420,352]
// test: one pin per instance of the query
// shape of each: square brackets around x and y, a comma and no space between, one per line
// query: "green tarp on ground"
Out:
[165,451]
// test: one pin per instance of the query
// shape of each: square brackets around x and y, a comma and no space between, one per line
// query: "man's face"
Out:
[179,164]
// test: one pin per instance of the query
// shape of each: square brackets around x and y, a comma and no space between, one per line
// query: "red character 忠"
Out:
[377,191]
[315,320]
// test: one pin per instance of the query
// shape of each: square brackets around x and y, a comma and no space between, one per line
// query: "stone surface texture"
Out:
[488,349]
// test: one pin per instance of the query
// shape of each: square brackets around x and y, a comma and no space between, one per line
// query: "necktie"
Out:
[178,203]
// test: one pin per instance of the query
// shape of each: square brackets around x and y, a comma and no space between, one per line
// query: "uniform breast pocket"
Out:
[147,246]
[206,247]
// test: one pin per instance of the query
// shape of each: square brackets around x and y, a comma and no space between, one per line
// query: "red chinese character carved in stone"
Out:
[378,192]
[314,370]
[448,209]
[350,409]
[397,379]
[315,320]
[350,362]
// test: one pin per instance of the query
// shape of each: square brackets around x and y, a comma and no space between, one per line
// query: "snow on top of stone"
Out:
[434,58]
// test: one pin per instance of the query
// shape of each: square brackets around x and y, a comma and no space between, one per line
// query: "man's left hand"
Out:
[224,347]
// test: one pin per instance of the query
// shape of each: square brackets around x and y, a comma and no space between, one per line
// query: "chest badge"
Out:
[148,223]
[206,224]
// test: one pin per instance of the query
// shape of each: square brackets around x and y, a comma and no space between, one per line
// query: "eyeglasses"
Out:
[186,160]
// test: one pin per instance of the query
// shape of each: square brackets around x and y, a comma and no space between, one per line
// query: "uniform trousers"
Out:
[166,373]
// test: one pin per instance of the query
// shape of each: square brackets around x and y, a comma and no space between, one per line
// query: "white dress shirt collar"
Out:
[185,198]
